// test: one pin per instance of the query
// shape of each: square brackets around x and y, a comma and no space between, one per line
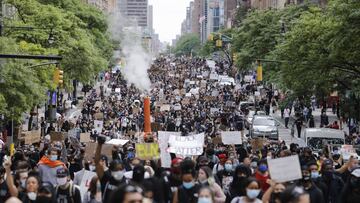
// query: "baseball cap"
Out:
[62,172]
[222,156]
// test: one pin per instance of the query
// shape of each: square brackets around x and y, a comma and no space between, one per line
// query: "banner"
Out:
[231,137]
[147,151]
[285,169]
[187,145]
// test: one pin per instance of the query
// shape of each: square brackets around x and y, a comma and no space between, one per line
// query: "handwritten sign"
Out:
[98,125]
[187,145]
[231,137]
[285,169]
[85,180]
[85,137]
[91,148]
[163,139]
[56,136]
[347,151]
[32,137]
[147,151]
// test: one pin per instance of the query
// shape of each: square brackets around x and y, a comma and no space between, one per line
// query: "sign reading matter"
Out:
[231,137]
[187,145]
[285,169]
[147,151]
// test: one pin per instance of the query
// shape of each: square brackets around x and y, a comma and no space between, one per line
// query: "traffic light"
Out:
[58,77]
[218,43]
[259,74]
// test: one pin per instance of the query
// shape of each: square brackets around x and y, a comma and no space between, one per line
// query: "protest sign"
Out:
[257,143]
[214,76]
[56,136]
[98,116]
[117,141]
[182,91]
[32,137]
[285,169]
[147,151]
[165,107]
[185,101]
[188,94]
[215,93]
[231,137]
[98,104]
[85,137]
[213,110]
[187,145]
[117,90]
[163,139]
[216,140]
[177,107]
[85,180]
[90,150]
[98,125]
[347,151]
[176,91]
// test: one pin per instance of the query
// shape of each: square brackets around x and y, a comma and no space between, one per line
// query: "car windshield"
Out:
[264,121]
[317,143]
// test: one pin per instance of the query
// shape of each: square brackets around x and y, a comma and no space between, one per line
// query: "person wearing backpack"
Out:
[65,191]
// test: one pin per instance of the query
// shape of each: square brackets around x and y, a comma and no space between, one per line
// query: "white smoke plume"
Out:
[137,60]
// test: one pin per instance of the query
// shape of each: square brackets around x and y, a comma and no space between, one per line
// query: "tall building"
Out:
[135,10]
[203,20]
[215,16]
[195,18]
[280,4]
[150,19]
[229,12]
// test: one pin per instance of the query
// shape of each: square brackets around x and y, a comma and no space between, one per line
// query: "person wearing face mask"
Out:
[48,165]
[66,191]
[206,179]
[333,182]
[188,191]
[315,177]
[220,165]
[45,194]
[32,186]
[262,175]
[238,185]
[252,192]
[206,195]
[316,196]
[225,176]
[351,191]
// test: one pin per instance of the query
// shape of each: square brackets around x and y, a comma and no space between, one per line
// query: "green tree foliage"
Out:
[81,37]
[188,44]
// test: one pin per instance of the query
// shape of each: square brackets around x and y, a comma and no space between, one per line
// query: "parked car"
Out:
[264,127]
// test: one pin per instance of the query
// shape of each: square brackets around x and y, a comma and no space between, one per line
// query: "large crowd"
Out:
[186,97]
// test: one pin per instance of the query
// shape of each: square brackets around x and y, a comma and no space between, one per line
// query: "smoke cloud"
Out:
[137,59]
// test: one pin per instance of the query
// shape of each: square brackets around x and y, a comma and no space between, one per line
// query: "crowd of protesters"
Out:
[196,103]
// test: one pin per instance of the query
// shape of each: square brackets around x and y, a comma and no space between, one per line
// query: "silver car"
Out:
[265,127]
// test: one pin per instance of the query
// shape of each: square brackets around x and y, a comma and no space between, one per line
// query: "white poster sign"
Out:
[98,125]
[187,145]
[213,110]
[165,107]
[214,76]
[231,137]
[163,138]
[285,169]
[85,181]
[117,142]
[215,93]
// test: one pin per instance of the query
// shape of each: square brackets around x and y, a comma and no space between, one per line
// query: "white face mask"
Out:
[118,175]
[92,168]
[147,175]
[61,181]
[31,196]
[23,183]
[53,157]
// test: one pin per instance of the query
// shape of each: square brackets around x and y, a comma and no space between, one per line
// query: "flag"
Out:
[202,18]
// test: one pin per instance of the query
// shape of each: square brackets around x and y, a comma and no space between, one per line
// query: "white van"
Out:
[317,138]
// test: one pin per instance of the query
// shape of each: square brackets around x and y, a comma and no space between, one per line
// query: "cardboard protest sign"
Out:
[98,125]
[182,91]
[231,137]
[90,150]
[163,139]
[85,180]
[165,107]
[257,143]
[155,126]
[147,151]
[117,142]
[85,137]
[56,136]
[347,151]
[32,137]
[285,169]
[185,101]
[187,145]
[98,116]
[216,140]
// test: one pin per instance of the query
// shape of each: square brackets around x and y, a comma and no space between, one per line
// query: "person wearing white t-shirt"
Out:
[286,116]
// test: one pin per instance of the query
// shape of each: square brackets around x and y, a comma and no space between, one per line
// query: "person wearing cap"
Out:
[48,165]
[351,191]
[333,182]
[220,166]
[66,191]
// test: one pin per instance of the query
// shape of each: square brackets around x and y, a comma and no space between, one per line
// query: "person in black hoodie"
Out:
[238,185]
[333,182]
[351,191]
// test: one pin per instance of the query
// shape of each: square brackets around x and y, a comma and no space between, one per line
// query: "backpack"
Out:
[72,190]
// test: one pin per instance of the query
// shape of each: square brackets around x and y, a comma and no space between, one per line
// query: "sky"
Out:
[168,16]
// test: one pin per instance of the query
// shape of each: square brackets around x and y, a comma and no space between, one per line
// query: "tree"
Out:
[188,44]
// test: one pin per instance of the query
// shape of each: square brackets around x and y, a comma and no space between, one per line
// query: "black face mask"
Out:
[355,182]
[306,178]
[43,199]
[276,195]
